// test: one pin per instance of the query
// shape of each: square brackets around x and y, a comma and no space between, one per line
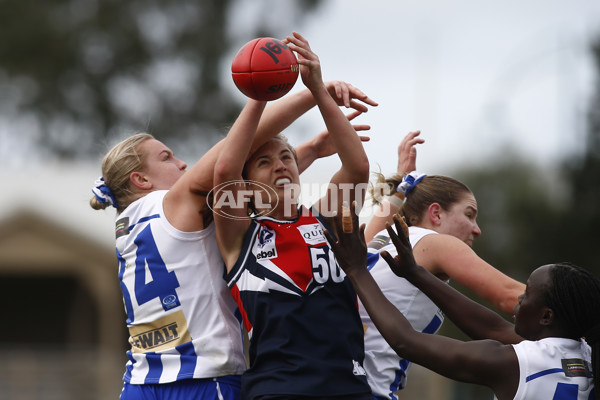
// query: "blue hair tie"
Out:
[103,193]
[409,182]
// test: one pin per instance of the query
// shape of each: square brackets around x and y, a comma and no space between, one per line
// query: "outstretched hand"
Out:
[407,153]
[404,263]
[310,66]
[350,248]
[344,94]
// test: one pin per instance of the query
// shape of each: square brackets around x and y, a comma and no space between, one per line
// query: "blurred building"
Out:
[64,334]
[63,321]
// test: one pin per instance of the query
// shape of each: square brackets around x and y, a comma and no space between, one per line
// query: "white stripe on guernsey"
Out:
[138,374]
[247,253]
[254,284]
[315,289]
[171,367]
[270,265]
[219,392]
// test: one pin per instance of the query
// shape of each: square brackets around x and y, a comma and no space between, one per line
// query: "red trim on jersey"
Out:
[235,292]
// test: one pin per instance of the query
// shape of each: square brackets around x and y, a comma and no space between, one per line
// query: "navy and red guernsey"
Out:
[306,336]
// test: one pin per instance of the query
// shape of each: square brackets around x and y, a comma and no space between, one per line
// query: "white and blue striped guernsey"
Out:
[181,317]
[554,368]
[386,371]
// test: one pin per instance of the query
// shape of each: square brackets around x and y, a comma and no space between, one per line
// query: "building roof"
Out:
[59,193]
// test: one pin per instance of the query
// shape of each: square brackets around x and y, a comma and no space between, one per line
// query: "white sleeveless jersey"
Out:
[181,317]
[554,368]
[386,371]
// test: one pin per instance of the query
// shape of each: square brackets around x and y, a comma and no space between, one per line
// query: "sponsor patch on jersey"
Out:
[312,234]
[164,333]
[379,242]
[576,367]
[440,314]
[265,248]
[122,227]
[358,369]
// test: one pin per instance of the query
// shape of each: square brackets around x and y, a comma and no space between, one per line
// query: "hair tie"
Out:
[592,336]
[103,193]
[409,182]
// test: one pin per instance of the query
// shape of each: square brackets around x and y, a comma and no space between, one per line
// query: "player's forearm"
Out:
[390,322]
[306,154]
[512,290]
[477,321]
[383,216]
[355,164]
[281,114]
[234,149]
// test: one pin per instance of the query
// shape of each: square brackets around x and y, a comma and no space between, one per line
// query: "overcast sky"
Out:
[474,76]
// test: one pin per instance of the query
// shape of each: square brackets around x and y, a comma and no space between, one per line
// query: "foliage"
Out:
[77,73]
[583,218]
[530,217]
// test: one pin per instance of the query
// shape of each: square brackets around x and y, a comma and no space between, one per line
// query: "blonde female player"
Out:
[185,333]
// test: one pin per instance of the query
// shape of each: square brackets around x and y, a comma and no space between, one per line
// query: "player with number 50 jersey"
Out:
[302,313]
[185,335]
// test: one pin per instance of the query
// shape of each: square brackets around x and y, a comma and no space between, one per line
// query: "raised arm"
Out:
[355,165]
[407,162]
[231,216]
[276,117]
[451,257]
[477,321]
[185,204]
[484,362]
[282,113]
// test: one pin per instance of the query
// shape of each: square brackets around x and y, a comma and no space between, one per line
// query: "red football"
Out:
[265,69]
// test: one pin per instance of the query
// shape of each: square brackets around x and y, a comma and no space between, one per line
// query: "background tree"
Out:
[583,183]
[532,216]
[76,73]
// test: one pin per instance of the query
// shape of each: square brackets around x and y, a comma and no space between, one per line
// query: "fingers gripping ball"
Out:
[265,69]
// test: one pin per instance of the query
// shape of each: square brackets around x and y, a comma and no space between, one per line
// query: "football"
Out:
[265,69]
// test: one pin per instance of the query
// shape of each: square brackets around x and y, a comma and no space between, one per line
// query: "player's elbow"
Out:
[362,165]
[222,172]
[360,169]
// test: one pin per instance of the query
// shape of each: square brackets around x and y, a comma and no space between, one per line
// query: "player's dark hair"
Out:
[444,190]
[574,296]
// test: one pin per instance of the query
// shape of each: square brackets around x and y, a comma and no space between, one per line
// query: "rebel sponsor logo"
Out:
[272,253]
